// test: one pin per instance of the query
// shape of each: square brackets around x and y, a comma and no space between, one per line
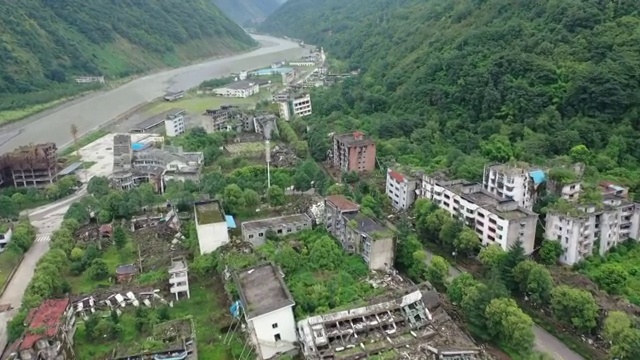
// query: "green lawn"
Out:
[8,116]
[197,104]
[8,261]
[82,284]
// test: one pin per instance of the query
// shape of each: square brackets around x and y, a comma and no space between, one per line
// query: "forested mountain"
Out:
[246,11]
[458,83]
[43,43]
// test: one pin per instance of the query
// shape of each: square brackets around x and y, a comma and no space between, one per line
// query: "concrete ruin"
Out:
[179,277]
[410,325]
[178,337]
[30,166]
[157,166]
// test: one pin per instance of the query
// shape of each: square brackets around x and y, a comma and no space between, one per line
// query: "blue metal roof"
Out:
[538,176]
[70,169]
[231,224]
[137,146]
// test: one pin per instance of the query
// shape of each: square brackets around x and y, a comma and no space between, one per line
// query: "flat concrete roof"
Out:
[275,222]
[262,290]
[239,85]
[209,212]
[157,120]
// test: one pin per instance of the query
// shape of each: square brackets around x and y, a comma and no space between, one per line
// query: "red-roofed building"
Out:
[401,189]
[49,333]
[353,152]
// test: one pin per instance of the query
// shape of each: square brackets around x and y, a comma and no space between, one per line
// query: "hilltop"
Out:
[44,44]
[457,84]
[247,11]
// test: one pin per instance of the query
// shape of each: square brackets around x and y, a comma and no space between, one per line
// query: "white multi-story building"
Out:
[238,89]
[296,105]
[585,230]
[495,220]
[179,277]
[267,306]
[509,181]
[211,226]
[401,189]
[174,124]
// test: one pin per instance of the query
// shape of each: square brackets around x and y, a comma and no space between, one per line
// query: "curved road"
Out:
[92,111]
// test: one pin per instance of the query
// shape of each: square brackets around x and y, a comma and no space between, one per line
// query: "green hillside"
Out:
[45,43]
[247,11]
[459,83]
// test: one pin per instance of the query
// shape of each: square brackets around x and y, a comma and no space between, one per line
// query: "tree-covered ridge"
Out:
[459,83]
[246,11]
[45,42]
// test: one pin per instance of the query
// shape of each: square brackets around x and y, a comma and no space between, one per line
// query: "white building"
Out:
[400,189]
[179,277]
[5,237]
[174,124]
[509,181]
[302,63]
[585,230]
[495,220]
[267,307]
[211,226]
[296,105]
[238,89]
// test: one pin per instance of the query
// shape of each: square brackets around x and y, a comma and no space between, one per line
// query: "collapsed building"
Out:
[152,165]
[232,118]
[411,325]
[49,333]
[30,165]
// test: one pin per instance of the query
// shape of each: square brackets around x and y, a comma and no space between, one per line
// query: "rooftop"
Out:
[178,264]
[126,269]
[275,222]
[209,212]
[47,316]
[396,176]
[342,203]
[262,290]
[365,224]
[239,85]
[355,138]
[505,208]
[158,119]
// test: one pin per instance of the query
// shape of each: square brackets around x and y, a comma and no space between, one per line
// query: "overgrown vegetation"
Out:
[47,44]
[13,200]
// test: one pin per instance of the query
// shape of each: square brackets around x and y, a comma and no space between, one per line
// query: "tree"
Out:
[508,324]
[119,237]
[449,231]
[98,270]
[8,208]
[77,254]
[550,251]
[534,280]
[325,254]
[458,287]
[90,327]
[492,256]
[467,241]
[276,197]
[251,198]
[623,336]
[581,153]
[612,277]
[514,256]
[98,186]
[233,198]
[437,271]
[575,306]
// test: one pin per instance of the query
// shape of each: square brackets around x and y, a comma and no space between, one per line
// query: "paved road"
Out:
[544,342]
[92,111]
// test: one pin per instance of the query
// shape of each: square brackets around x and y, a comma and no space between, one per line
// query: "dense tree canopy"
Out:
[456,84]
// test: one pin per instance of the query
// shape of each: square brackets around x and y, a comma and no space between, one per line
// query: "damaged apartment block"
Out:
[30,165]
[400,328]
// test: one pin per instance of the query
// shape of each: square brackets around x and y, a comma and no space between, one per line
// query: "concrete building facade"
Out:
[353,152]
[179,278]
[30,166]
[359,234]
[174,124]
[268,310]
[238,89]
[495,220]
[401,189]
[255,231]
[294,105]
[211,226]
[513,181]
[585,230]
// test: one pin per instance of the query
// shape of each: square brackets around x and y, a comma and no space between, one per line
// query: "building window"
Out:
[274,326]
[277,337]
[260,234]
[250,236]
[288,230]
[279,231]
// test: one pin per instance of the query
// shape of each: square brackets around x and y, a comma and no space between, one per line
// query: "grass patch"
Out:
[9,116]
[83,141]
[8,261]
[83,284]
[197,104]
[88,164]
